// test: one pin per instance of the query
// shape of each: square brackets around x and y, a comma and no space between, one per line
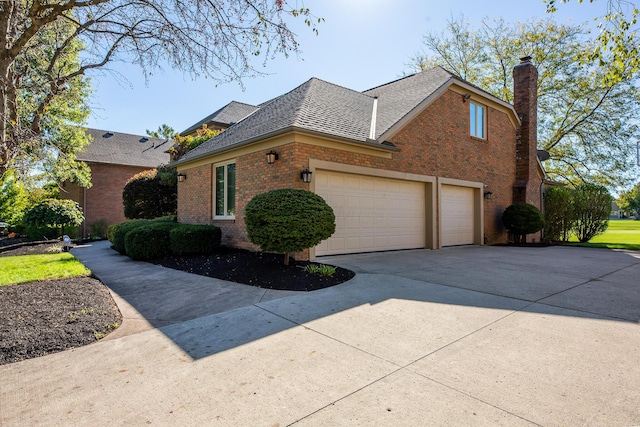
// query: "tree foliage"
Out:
[522,219]
[589,128]
[203,38]
[184,144]
[629,200]
[288,220]
[151,194]
[164,131]
[55,213]
[592,207]
[14,200]
[617,41]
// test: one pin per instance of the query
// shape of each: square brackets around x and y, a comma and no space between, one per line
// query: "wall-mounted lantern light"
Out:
[488,195]
[466,97]
[182,177]
[272,156]
[306,175]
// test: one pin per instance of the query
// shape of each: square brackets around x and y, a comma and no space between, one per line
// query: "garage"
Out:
[372,213]
[457,215]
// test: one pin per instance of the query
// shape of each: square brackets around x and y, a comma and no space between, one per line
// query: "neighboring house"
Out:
[426,161]
[113,158]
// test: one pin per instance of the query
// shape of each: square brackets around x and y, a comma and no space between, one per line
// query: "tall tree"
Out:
[212,38]
[164,131]
[617,41]
[589,128]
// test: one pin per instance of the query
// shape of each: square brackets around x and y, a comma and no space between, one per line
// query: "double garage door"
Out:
[381,214]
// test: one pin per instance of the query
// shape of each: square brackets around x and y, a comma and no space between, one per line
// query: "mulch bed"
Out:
[49,316]
[258,269]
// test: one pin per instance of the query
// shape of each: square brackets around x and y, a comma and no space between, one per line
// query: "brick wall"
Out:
[104,199]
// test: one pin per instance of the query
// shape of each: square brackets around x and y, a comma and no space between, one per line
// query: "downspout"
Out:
[374,118]
[84,206]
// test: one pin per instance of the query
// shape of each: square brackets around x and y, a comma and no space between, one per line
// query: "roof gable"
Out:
[231,113]
[125,149]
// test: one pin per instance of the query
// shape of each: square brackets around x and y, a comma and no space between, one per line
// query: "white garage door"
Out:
[372,214]
[457,215]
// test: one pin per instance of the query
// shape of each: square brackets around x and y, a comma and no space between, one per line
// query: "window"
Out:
[477,120]
[225,191]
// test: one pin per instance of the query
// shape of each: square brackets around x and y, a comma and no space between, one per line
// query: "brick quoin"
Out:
[103,201]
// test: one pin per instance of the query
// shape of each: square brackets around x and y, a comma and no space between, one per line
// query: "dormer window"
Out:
[477,120]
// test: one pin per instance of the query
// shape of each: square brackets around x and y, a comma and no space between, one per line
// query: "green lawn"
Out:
[621,234]
[27,268]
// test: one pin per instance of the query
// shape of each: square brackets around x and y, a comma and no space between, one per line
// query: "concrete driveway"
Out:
[461,336]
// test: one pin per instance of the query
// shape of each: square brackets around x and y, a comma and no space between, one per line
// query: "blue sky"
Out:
[361,44]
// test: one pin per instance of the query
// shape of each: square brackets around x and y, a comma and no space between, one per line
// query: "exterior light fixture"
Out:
[182,177]
[306,175]
[465,97]
[272,156]
[488,195]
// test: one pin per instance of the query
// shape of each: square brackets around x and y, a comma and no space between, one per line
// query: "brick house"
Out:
[426,161]
[113,158]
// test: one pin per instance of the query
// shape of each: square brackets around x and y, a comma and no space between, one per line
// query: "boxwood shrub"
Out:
[187,239]
[121,231]
[149,241]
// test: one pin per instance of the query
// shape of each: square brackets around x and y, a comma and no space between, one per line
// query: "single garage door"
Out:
[372,213]
[457,215]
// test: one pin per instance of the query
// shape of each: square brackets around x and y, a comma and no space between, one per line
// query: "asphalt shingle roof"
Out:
[322,107]
[125,149]
[231,113]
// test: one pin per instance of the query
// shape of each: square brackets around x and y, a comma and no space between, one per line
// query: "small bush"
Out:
[288,220]
[149,241]
[558,214]
[322,270]
[118,242]
[522,219]
[187,239]
[592,207]
[111,231]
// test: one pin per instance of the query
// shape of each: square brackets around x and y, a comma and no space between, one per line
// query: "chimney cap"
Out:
[525,59]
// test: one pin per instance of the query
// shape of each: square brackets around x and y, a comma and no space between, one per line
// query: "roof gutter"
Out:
[369,144]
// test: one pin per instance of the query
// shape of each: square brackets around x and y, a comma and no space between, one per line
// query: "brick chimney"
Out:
[525,101]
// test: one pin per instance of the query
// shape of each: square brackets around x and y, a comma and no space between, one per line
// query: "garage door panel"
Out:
[457,215]
[372,213]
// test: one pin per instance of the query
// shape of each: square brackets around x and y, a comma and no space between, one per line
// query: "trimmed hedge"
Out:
[187,239]
[121,230]
[150,240]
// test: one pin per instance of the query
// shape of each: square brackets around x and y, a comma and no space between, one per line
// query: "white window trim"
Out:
[484,121]
[215,189]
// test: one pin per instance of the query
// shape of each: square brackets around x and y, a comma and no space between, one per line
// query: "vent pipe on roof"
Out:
[374,117]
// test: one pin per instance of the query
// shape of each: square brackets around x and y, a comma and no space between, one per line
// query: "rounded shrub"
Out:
[288,220]
[151,194]
[149,241]
[118,242]
[522,219]
[188,239]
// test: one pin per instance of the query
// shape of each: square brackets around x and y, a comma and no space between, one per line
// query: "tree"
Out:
[592,207]
[164,132]
[617,42]
[55,213]
[629,201]
[45,115]
[588,128]
[14,199]
[522,219]
[151,194]
[208,38]
[288,220]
